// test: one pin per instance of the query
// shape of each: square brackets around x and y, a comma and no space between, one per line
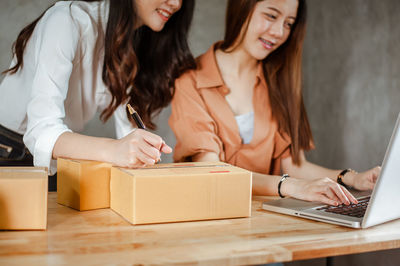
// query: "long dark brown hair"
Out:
[140,65]
[282,71]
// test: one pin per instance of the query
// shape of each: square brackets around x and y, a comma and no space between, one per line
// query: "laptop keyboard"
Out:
[354,210]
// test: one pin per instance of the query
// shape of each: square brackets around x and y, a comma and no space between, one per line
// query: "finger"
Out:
[370,185]
[150,151]
[145,159]
[336,189]
[152,139]
[134,162]
[349,195]
[323,199]
[329,193]
[165,148]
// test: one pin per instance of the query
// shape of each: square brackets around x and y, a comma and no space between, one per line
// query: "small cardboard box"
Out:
[83,185]
[181,192]
[23,198]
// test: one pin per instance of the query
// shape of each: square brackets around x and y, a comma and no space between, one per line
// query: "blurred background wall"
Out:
[351,78]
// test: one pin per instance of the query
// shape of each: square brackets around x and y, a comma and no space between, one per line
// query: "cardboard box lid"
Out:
[21,172]
[81,161]
[178,169]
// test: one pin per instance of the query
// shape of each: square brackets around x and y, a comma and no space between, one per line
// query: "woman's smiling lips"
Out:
[267,44]
[164,14]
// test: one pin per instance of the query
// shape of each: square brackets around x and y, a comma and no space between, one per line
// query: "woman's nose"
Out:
[277,29]
[175,4]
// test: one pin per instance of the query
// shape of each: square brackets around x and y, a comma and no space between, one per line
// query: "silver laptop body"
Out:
[382,205]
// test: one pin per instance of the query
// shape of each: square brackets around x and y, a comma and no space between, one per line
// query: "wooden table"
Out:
[103,237]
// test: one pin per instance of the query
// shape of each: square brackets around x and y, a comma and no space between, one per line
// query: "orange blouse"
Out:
[203,121]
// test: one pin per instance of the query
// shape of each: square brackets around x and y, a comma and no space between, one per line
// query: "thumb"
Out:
[375,173]
[370,185]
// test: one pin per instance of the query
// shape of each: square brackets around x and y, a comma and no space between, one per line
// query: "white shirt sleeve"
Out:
[122,124]
[54,43]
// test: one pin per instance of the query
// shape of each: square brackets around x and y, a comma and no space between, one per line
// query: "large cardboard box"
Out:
[181,192]
[83,185]
[23,198]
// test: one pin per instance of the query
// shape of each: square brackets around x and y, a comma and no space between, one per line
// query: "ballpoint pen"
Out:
[136,117]
[139,121]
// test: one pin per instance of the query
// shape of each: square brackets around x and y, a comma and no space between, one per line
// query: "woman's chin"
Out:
[157,26]
[260,56]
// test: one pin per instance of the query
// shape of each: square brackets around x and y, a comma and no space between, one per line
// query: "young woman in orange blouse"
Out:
[243,105]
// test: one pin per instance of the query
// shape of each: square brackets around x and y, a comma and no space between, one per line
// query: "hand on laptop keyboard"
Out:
[319,190]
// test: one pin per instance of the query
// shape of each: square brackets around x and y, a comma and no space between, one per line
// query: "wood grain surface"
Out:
[103,237]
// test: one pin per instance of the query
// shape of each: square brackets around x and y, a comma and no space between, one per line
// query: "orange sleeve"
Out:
[282,146]
[194,129]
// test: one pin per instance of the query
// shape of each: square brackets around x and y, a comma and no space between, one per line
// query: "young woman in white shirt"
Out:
[80,57]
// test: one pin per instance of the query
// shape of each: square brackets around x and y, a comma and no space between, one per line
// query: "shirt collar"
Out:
[208,74]
[260,74]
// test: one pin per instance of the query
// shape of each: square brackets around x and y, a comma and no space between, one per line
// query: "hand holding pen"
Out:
[152,139]
[137,149]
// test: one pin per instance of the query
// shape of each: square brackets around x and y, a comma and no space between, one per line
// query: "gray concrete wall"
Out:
[15,14]
[352,80]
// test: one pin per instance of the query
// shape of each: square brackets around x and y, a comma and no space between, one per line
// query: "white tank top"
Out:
[246,126]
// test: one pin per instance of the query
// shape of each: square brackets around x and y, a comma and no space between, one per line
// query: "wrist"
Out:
[283,178]
[107,151]
[349,178]
[287,187]
[346,177]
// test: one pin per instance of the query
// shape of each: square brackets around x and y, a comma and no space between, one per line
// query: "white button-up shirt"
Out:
[60,86]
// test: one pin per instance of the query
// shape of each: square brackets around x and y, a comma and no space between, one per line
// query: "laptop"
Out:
[373,208]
